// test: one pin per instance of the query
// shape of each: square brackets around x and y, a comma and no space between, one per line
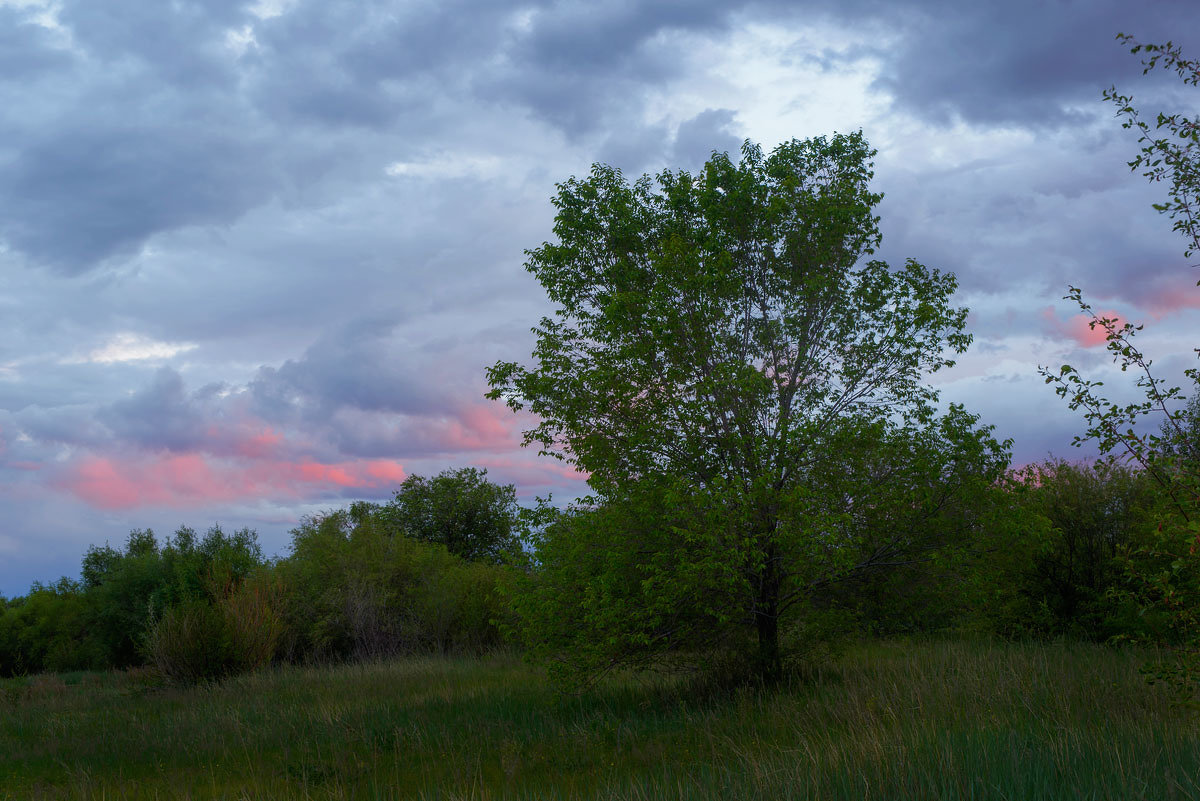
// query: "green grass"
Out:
[930,720]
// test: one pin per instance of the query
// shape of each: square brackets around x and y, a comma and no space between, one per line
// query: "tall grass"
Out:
[937,720]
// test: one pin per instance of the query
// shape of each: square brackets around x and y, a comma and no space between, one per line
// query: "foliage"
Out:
[1113,426]
[714,335]
[460,509]
[120,599]
[204,607]
[237,629]
[253,614]
[1061,567]
[104,619]
[47,629]
[1178,443]
[127,589]
[190,643]
[618,581]
[356,588]
[908,507]
[1165,570]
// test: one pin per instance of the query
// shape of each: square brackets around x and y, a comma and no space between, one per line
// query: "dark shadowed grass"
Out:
[937,720]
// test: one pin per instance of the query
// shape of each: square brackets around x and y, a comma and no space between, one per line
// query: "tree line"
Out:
[454,565]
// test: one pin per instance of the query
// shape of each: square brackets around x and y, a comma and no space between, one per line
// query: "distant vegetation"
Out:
[364,582]
[1046,551]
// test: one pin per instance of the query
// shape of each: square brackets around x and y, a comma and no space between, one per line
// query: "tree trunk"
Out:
[768,662]
[769,665]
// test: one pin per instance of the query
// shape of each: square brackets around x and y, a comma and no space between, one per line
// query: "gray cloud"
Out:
[84,195]
[181,44]
[361,366]
[160,415]
[168,127]
[1023,62]
[696,139]
[649,148]
[50,427]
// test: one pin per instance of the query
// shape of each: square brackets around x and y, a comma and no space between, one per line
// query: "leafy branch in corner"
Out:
[1170,147]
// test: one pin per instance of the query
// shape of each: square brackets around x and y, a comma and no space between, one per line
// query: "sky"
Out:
[255,258]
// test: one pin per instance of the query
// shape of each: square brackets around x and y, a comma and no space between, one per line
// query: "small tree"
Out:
[1063,574]
[471,516]
[354,587]
[715,335]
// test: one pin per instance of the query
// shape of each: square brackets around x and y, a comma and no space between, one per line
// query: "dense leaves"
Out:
[1054,563]
[660,576]
[460,509]
[357,588]
[104,619]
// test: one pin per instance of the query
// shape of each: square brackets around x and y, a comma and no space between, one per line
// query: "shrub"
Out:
[254,621]
[357,587]
[47,630]
[191,643]
[122,587]
[1060,565]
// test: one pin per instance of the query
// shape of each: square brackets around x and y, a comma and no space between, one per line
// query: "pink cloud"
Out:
[101,483]
[1079,328]
[317,473]
[258,445]
[184,480]
[480,427]
[385,471]
[242,458]
[1167,301]
[486,427]
[536,473]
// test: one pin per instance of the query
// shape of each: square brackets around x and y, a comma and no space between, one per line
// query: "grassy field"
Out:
[933,720]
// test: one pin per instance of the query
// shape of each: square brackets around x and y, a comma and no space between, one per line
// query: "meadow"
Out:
[898,719]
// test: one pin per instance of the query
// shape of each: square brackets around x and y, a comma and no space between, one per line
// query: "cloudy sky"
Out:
[255,257]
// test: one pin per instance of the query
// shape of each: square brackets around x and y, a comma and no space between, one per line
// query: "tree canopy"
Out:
[717,336]
[461,509]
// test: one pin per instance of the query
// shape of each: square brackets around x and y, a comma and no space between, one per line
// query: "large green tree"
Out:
[716,336]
